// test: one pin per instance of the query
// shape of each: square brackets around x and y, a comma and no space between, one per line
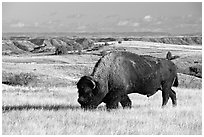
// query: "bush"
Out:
[60,50]
[119,42]
[21,79]
[85,42]
[106,44]
[103,53]
[196,71]
[79,52]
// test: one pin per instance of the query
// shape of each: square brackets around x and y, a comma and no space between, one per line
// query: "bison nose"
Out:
[82,100]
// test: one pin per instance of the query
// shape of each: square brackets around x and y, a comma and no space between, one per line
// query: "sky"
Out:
[172,17]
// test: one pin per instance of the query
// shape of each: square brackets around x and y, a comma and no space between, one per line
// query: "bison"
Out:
[118,74]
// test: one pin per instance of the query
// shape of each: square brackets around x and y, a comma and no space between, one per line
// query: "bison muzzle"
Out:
[118,74]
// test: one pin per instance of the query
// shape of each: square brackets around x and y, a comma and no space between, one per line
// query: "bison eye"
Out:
[91,94]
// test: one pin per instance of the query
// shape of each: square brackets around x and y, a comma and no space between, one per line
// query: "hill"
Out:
[65,45]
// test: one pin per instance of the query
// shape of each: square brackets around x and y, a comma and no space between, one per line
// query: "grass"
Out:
[22,79]
[152,121]
[52,111]
[50,105]
[63,71]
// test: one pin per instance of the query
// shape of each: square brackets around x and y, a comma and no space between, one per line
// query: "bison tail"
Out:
[169,56]
[176,83]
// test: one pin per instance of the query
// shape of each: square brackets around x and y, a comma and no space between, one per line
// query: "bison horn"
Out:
[94,84]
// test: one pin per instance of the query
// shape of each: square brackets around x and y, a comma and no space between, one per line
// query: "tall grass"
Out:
[52,111]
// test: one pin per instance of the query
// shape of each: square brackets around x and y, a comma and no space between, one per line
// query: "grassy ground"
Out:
[56,111]
[49,104]
[63,71]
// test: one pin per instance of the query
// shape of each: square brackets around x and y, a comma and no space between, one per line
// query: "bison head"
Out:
[87,92]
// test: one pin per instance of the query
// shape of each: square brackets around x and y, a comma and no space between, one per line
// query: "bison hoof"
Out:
[174,105]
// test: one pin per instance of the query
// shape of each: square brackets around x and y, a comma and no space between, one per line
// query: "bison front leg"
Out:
[125,101]
[113,103]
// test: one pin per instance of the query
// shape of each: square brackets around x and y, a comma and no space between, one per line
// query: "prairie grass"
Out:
[52,111]
[50,106]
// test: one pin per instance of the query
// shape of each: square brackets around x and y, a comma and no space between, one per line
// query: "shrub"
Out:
[60,50]
[21,79]
[196,71]
[103,53]
[119,42]
[79,51]
[106,44]
[85,42]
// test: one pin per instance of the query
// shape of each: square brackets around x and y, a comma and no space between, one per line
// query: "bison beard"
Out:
[118,74]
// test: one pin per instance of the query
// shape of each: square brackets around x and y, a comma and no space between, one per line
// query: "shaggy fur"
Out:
[118,74]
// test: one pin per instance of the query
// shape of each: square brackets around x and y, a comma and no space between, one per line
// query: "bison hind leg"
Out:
[165,97]
[172,95]
[125,101]
[165,94]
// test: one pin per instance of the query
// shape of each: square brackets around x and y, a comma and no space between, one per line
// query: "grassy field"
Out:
[48,104]
[55,111]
